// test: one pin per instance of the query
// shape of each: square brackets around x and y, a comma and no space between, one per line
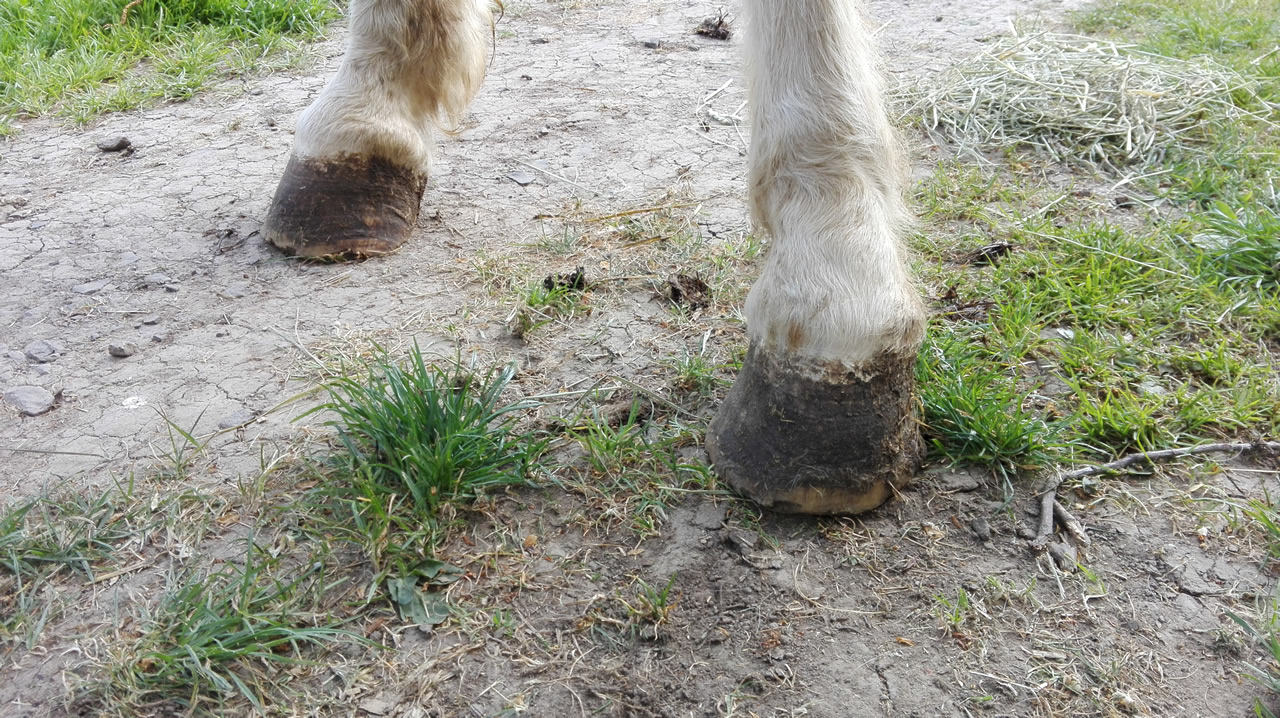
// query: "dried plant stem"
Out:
[1050,507]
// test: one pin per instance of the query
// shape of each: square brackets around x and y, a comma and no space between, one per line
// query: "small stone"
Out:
[653,44]
[1026,534]
[157,279]
[119,143]
[522,177]
[30,400]
[981,529]
[122,351]
[91,287]
[150,320]
[159,338]
[1057,333]
[41,351]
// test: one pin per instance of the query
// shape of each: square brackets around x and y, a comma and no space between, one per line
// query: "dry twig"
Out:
[1051,508]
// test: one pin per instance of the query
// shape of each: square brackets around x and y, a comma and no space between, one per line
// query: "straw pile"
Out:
[1081,100]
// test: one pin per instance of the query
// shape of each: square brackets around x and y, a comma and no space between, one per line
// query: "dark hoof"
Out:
[817,438]
[348,208]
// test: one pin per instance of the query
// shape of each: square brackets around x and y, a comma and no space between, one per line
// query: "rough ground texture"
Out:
[597,108]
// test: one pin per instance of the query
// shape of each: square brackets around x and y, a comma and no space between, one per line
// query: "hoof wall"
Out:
[348,208]
[818,438]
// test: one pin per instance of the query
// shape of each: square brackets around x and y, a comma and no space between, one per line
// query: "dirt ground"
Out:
[591,108]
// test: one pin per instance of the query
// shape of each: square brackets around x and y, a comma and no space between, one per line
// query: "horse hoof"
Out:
[347,208]
[807,437]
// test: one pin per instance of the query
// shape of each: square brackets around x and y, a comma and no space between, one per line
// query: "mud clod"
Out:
[981,529]
[575,281]
[42,351]
[122,351]
[688,290]
[30,400]
[716,28]
[119,143]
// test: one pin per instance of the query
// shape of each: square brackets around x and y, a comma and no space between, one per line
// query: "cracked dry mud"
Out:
[602,105]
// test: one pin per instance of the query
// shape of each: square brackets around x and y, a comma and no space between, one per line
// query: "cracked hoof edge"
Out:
[808,437]
[347,208]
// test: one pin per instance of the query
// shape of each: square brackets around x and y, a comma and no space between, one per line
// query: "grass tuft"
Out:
[428,435]
[974,413]
[219,637]
[1242,245]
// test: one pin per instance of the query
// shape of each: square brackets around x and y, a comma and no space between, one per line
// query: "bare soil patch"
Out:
[607,137]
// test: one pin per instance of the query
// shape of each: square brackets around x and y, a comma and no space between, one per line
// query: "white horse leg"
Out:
[821,419]
[360,157]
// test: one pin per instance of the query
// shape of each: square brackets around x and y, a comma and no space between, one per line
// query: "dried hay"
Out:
[1082,100]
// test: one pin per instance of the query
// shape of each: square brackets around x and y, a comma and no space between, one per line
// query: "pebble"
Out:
[91,287]
[376,707]
[30,400]
[119,143]
[159,338]
[1151,387]
[41,351]
[122,351]
[981,529]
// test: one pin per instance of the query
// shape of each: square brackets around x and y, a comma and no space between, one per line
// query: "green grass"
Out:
[417,437]
[219,637]
[1238,33]
[1092,337]
[547,301]
[75,59]
[634,467]
[54,541]
[975,411]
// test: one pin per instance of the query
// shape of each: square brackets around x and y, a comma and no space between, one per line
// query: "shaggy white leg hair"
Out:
[826,176]
[821,419]
[411,66]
